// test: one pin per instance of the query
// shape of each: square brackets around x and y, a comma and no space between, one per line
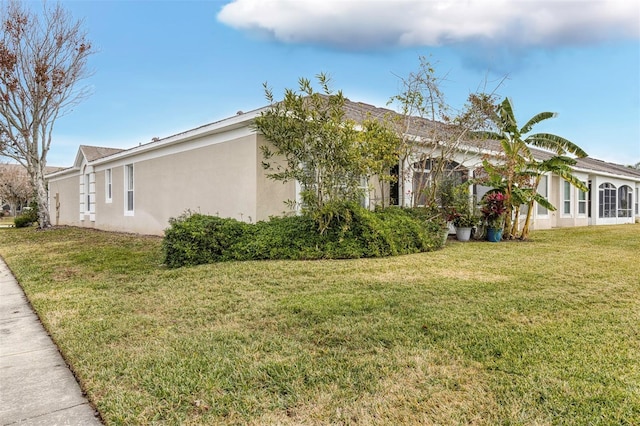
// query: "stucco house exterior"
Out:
[217,169]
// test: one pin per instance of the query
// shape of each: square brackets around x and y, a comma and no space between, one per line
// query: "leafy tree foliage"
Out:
[42,58]
[311,141]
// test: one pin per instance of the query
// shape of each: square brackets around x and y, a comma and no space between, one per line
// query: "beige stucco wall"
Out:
[67,211]
[218,179]
[271,195]
[573,218]
[222,178]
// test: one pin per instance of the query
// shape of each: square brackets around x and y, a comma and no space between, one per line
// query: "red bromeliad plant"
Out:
[494,209]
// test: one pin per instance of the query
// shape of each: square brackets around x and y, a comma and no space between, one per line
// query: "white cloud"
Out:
[373,24]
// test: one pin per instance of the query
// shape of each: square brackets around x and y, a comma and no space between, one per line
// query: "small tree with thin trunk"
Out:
[42,58]
[433,134]
[15,186]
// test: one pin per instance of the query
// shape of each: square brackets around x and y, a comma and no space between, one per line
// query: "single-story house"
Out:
[217,169]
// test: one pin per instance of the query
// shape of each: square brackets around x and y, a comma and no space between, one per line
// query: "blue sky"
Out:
[163,67]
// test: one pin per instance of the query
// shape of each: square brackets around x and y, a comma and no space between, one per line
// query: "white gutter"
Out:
[607,174]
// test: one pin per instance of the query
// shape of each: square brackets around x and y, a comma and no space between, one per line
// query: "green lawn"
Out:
[532,333]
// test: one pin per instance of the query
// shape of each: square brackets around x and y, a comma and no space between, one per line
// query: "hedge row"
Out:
[355,232]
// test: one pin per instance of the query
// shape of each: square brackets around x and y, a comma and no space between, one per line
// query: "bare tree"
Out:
[15,186]
[42,58]
[435,137]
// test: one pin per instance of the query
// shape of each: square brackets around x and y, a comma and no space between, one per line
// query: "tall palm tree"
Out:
[516,153]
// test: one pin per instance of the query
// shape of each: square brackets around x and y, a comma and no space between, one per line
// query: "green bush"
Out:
[28,217]
[194,239]
[353,232]
[291,237]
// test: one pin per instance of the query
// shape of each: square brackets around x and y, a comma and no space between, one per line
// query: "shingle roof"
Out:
[94,152]
[603,166]
[358,111]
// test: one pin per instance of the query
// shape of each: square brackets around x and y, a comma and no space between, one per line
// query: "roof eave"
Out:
[231,123]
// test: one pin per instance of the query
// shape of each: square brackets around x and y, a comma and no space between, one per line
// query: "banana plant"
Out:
[516,159]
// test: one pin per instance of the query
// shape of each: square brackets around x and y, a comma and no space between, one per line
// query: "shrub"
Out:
[193,239]
[353,232]
[291,237]
[28,217]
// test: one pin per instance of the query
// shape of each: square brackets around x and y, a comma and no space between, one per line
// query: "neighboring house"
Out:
[217,169]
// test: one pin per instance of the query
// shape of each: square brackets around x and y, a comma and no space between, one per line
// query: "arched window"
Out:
[607,200]
[625,201]
[428,169]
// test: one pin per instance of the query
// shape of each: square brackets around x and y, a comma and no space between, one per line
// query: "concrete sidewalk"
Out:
[36,387]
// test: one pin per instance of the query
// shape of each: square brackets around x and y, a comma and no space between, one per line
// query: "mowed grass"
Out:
[514,333]
[6,220]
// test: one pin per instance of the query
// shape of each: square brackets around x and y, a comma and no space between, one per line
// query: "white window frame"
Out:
[108,186]
[607,200]
[625,195]
[87,194]
[566,198]
[542,211]
[582,202]
[129,190]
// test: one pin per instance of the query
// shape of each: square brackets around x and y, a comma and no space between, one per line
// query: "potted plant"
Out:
[494,211]
[457,205]
[439,216]
[464,222]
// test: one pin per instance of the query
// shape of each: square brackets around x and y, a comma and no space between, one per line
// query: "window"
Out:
[420,182]
[582,202]
[625,198]
[394,186]
[87,194]
[128,182]
[108,185]
[566,204]
[428,169]
[543,190]
[607,200]
[637,201]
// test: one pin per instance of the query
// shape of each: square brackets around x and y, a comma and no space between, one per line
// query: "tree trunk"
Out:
[515,225]
[525,228]
[506,235]
[527,223]
[42,198]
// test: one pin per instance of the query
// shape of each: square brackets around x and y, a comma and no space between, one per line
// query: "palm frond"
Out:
[486,135]
[555,163]
[507,118]
[521,196]
[540,199]
[535,120]
[569,177]
[555,143]
[517,150]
